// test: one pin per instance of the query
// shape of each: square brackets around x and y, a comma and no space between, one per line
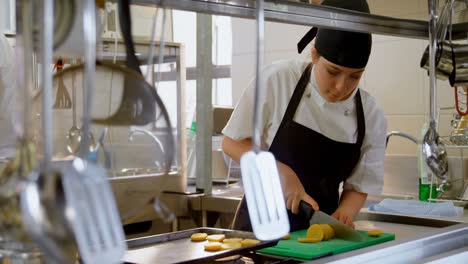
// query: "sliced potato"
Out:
[286,237]
[198,237]
[216,238]
[249,242]
[309,239]
[316,232]
[232,240]
[232,245]
[213,246]
[374,233]
[328,231]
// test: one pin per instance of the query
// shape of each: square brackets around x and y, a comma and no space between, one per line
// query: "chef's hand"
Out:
[344,215]
[293,190]
[351,203]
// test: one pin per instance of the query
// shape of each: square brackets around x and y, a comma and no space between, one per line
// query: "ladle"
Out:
[74,134]
[433,149]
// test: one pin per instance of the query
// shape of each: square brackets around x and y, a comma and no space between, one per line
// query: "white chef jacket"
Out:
[7,98]
[337,121]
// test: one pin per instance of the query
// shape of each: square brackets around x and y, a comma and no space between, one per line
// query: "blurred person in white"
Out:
[7,98]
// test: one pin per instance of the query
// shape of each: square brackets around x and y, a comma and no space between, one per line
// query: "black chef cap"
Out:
[345,48]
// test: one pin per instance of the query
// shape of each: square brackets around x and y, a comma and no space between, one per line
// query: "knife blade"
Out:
[318,217]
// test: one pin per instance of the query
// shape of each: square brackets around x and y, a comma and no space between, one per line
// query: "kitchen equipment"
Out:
[462,112]
[161,47]
[62,99]
[163,212]
[435,153]
[444,60]
[11,182]
[444,54]
[433,149]
[100,145]
[459,74]
[42,202]
[342,231]
[69,33]
[138,105]
[96,222]
[43,218]
[307,251]
[74,134]
[178,248]
[15,172]
[262,187]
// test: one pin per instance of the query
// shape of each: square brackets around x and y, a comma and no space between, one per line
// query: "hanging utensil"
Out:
[96,223]
[42,202]
[74,134]
[62,99]
[444,52]
[13,176]
[433,149]
[459,75]
[138,106]
[260,175]
[457,102]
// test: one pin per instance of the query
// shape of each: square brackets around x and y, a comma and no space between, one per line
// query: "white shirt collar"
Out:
[347,104]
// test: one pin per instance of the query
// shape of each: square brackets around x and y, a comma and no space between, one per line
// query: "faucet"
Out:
[444,185]
[159,207]
[402,134]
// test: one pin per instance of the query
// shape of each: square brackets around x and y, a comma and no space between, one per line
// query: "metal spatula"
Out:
[94,220]
[260,175]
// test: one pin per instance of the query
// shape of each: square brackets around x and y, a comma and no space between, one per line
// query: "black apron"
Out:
[320,162]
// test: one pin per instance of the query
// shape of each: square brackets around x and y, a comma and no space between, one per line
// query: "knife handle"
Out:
[306,210]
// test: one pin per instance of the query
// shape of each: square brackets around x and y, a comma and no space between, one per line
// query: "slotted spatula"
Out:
[95,220]
[262,186]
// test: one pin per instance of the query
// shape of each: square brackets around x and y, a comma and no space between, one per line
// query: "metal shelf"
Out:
[302,14]
[171,50]
[451,145]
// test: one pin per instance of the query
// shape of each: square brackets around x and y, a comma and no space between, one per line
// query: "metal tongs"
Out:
[433,149]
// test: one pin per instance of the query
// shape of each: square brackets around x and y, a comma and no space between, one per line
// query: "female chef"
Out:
[321,127]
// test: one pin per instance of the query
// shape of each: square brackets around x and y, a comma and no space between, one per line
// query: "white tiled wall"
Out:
[280,43]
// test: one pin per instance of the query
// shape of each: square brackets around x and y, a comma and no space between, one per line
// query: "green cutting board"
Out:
[294,249]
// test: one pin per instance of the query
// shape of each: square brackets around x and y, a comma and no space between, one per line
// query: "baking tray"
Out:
[177,247]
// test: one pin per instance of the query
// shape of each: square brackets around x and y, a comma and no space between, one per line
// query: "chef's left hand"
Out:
[345,216]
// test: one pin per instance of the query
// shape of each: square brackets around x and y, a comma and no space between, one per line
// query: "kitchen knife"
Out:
[318,217]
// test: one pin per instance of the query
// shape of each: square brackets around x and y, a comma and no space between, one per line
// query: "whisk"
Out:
[62,99]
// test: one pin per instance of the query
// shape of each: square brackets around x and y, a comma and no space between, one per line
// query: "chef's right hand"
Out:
[293,190]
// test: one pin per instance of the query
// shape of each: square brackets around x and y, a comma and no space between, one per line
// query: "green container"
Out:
[425,191]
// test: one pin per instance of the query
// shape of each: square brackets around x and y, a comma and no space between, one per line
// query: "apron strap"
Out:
[361,123]
[297,95]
